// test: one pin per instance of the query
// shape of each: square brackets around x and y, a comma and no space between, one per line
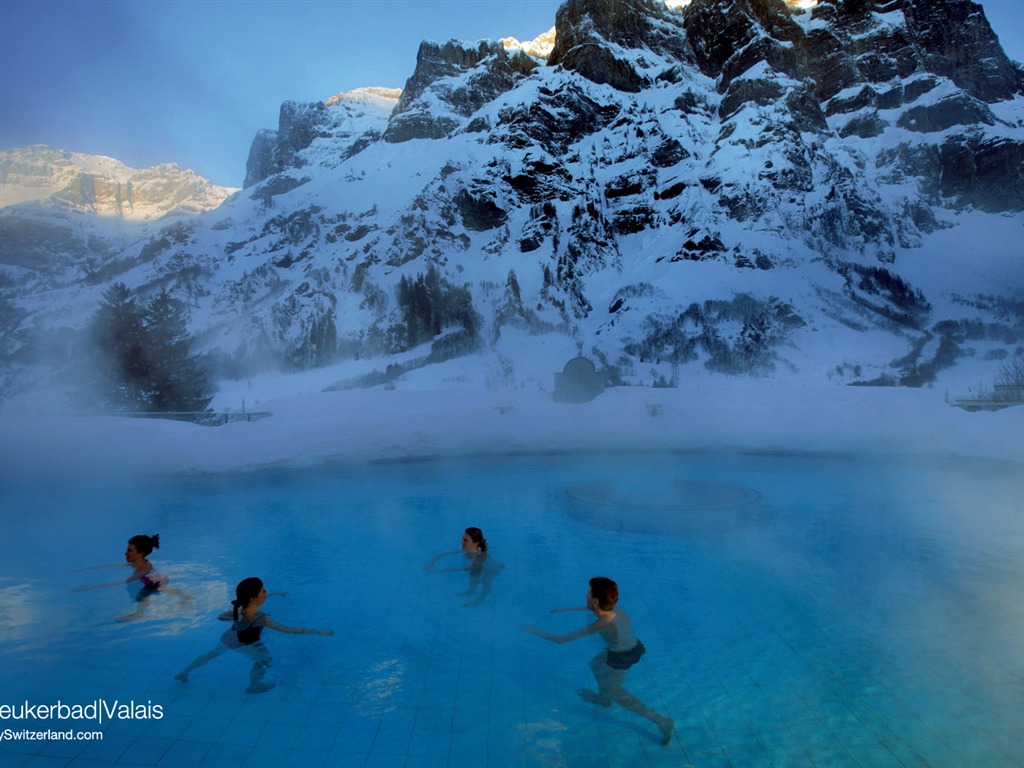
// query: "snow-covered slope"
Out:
[737,186]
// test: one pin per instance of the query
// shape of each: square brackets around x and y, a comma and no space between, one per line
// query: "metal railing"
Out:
[206,418]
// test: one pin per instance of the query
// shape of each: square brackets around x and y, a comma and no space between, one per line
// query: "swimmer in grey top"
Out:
[611,664]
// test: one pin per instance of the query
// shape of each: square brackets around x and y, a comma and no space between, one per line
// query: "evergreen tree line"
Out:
[144,359]
[678,339]
[429,304]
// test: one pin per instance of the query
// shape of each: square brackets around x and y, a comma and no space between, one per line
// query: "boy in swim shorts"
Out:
[611,664]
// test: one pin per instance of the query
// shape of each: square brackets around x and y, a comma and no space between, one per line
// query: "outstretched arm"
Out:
[269,623]
[583,632]
[118,583]
[105,565]
[451,570]
[430,566]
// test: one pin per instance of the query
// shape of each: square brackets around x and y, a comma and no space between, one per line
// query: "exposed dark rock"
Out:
[584,29]
[988,174]
[628,184]
[464,78]
[634,220]
[957,42]
[953,110]
[277,185]
[274,151]
[865,126]
[540,181]
[479,214]
[419,124]
[555,121]
[668,153]
[759,91]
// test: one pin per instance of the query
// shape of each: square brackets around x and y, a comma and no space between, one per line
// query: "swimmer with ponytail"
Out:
[244,636]
[481,567]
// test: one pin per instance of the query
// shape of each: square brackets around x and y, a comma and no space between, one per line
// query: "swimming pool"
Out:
[850,611]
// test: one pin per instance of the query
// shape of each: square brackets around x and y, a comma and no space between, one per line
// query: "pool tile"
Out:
[145,751]
[62,750]
[385,760]
[602,761]
[18,760]
[455,760]
[183,754]
[265,757]
[205,729]
[316,738]
[307,758]
[105,750]
[277,736]
[424,744]
[345,757]
[357,737]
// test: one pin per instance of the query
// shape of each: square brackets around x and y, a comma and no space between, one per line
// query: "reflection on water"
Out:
[17,612]
[828,611]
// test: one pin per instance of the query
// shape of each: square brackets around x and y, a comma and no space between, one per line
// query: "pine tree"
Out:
[176,382]
[144,360]
[122,367]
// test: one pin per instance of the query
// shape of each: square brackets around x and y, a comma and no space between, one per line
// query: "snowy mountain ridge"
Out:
[102,185]
[737,186]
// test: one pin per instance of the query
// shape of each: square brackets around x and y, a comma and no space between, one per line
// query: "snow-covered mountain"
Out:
[741,186]
[68,217]
[101,185]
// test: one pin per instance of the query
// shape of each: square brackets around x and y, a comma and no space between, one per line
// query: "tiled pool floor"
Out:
[803,637]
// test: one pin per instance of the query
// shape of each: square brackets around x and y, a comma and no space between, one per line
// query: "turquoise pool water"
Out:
[831,612]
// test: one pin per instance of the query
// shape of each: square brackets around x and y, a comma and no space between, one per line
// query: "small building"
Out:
[579,382]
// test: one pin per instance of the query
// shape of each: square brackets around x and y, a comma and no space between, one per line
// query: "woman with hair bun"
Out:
[136,555]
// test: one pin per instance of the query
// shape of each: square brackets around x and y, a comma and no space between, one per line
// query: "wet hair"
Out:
[477,537]
[605,591]
[246,590]
[145,545]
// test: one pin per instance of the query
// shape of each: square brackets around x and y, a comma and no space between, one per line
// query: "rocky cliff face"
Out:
[450,84]
[351,118]
[726,185]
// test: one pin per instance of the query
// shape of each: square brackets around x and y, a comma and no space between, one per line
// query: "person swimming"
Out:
[245,634]
[136,555]
[481,567]
[624,649]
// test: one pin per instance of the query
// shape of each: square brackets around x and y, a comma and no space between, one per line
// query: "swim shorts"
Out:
[626,659]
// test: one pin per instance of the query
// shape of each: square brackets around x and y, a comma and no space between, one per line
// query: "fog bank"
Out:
[372,425]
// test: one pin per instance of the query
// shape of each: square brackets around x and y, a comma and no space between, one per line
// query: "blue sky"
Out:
[191,81]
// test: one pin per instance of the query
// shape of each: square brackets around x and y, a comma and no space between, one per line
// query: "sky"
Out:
[192,81]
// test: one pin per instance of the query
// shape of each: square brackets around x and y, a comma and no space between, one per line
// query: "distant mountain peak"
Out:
[540,47]
[374,95]
[103,186]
